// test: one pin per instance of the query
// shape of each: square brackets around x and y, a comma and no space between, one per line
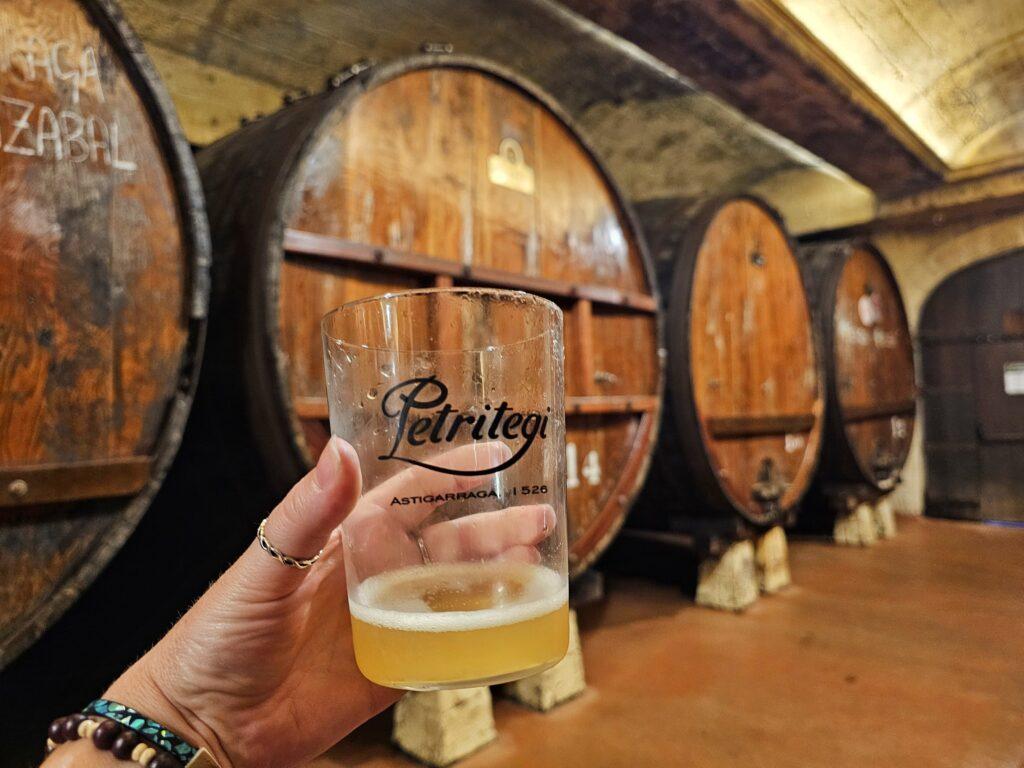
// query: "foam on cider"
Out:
[458,597]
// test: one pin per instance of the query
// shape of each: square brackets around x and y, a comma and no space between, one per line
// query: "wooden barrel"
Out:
[869,368]
[432,171]
[745,402]
[103,255]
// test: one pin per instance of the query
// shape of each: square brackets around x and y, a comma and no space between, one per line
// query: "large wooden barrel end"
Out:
[436,171]
[869,364]
[745,402]
[102,306]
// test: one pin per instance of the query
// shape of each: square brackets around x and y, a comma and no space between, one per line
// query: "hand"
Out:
[261,670]
[508,533]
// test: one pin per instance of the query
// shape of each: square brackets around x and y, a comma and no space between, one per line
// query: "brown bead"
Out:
[56,731]
[70,727]
[124,744]
[105,733]
[164,760]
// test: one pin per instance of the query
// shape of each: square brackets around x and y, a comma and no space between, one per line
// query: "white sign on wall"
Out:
[1013,378]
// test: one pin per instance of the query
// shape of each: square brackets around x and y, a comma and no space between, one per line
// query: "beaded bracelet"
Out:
[128,735]
[147,729]
[123,743]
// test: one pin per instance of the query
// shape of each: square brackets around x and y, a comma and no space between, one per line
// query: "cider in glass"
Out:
[464,623]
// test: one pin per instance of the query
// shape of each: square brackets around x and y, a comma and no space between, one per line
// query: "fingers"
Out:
[423,482]
[489,533]
[302,523]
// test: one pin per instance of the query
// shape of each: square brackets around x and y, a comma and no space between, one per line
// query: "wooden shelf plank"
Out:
[611,404]
[727,427]
[855,413]
[316,407]
[311,408]
[298,242]
[49,483]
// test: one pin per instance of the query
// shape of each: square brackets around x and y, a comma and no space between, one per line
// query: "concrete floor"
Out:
[910,653]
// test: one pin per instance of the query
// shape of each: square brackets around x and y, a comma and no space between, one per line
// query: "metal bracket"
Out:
[290,97]
[436,48]
[340,78]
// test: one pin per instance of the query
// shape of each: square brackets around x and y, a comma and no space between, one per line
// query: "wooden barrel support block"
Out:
[438,171]
[566,680]
[728,581]
[745,405]
[102,302]
[856,528]
[440,727]
[869,366]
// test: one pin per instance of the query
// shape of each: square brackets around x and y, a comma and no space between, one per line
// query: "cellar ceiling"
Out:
[951,70]
[660,134]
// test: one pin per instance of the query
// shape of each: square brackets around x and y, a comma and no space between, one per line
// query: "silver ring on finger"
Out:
[423,550]
[302,563]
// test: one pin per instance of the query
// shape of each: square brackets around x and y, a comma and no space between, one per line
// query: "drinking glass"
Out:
[456,552]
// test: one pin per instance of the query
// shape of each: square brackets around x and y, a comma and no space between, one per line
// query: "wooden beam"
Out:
[732,51]
[293,44]
[611,404]
[308,244]
[729,427]
[316,407]
[311,408]
[51,483]
[976,200]
[856,413]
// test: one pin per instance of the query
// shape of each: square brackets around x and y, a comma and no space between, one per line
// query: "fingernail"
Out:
[549,519]
[329,466]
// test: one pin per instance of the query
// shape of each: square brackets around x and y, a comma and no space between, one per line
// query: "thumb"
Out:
[302,523]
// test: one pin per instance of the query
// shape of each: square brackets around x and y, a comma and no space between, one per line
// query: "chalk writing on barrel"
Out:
[65,132]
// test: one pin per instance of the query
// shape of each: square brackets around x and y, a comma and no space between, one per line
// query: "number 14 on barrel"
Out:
[591,469]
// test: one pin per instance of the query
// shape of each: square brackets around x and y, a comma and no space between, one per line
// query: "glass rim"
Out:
[504,293]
